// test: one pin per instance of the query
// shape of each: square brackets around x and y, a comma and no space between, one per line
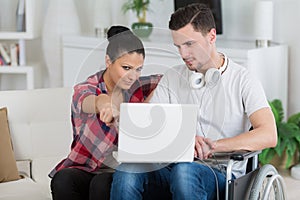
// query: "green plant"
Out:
[139,7]
[288,136]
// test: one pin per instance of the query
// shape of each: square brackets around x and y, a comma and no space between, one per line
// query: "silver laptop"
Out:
[156,133]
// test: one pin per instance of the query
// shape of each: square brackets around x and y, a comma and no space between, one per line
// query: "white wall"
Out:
[237,24]
[287,31]
[158,14]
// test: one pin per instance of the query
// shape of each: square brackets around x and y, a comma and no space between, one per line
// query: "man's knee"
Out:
[128,179]
[181,170]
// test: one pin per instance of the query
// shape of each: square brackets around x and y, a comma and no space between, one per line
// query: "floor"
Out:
[292,186]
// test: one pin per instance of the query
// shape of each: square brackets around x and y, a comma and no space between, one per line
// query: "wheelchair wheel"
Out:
[267,185]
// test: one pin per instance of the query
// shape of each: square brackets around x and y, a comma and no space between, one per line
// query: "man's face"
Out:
[194,48]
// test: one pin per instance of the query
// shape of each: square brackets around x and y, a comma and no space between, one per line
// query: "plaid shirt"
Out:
[93,141]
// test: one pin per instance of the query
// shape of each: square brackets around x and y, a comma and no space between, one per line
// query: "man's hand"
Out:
[203,147]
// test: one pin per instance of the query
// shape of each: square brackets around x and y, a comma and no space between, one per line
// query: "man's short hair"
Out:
[197,14]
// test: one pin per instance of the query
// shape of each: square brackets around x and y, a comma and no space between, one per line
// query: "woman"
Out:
[95,107]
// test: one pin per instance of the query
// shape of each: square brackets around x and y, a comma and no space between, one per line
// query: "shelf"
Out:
[16,35]
[15,69]
[23,70]
[32,21]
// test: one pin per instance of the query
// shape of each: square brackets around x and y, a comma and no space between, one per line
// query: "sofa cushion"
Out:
[41,167]
[42,127]
[8,166]
[24,188]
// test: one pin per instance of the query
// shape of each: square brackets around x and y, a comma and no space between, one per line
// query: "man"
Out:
[230,102]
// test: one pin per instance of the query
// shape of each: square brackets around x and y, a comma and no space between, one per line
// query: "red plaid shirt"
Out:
[93,141]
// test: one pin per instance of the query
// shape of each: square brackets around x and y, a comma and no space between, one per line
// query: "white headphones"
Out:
[211,78]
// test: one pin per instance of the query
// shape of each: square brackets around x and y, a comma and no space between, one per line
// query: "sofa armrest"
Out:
[24,168]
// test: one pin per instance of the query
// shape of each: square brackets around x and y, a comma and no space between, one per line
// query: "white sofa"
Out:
[41,133]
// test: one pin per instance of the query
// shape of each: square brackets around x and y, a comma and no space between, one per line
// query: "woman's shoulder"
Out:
[150,78]
[95,78]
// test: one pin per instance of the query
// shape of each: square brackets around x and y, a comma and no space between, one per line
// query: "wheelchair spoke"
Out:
[268,185]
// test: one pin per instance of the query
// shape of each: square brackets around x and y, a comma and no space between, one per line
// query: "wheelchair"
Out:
[259,183]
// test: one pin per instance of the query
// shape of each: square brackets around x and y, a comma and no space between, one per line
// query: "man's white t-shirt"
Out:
[224,110]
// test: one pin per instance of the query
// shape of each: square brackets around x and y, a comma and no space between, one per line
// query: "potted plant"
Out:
[142,28]
[288,144]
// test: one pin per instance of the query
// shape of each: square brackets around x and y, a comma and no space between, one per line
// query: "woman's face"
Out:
[125,70]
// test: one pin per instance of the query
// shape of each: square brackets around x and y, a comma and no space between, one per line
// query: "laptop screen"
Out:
[151,133]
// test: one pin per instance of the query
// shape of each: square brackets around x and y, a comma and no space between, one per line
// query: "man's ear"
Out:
[212,35]
[107,61]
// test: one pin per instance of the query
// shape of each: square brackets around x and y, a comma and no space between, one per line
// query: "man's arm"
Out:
[263,135]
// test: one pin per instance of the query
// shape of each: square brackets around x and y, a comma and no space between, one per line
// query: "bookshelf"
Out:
[11,33]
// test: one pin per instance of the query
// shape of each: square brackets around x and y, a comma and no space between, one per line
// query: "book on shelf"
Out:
[14,54]
[4,54]
[2,62]
[21,16]
[22,53]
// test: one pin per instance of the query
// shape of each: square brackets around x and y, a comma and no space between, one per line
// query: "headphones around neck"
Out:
[212,76]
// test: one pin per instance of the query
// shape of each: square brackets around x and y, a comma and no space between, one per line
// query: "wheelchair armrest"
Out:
[243,155]
[225,157]
[235,155]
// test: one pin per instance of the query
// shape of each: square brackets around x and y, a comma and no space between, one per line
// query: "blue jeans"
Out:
[184,180]
[196,181]
[140,181]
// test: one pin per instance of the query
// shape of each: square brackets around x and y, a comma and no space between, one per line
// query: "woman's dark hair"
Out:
[199,15]
[122,41]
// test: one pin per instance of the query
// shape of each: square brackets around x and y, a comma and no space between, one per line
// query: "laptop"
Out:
[156,133]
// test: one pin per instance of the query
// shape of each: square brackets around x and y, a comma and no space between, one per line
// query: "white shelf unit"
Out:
[9,35]
[85,55]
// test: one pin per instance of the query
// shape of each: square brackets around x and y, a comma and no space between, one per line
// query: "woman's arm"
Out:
[101,104]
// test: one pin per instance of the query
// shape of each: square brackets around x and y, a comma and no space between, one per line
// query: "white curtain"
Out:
[61,19]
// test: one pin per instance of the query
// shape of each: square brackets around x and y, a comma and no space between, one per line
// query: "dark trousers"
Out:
[77,184]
